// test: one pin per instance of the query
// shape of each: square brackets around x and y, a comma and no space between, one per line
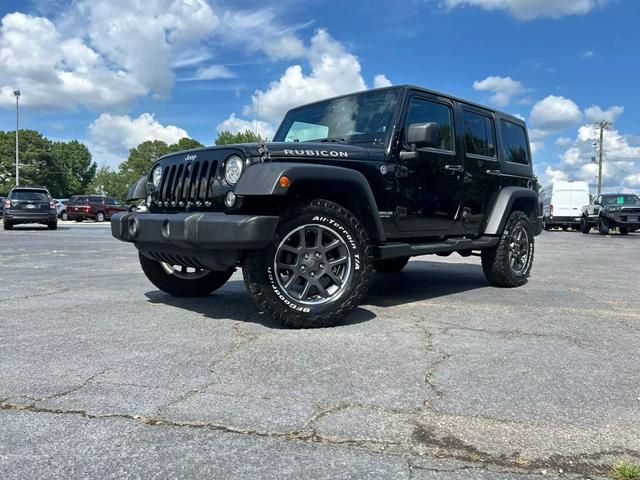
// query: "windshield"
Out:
[621,200]
[30,196]
[359,118]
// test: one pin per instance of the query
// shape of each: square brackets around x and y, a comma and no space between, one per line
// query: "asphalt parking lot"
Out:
[437,376]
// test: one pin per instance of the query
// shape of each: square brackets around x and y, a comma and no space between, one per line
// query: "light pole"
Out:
[17,95]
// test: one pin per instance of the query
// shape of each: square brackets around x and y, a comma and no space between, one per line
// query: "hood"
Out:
[299,150]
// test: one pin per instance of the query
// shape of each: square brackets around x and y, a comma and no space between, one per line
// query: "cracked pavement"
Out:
[436,376]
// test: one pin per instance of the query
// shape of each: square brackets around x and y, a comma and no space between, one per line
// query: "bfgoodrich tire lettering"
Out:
[509,263]
[266,277]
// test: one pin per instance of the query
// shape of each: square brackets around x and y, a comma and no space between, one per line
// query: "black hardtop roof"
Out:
[425,90]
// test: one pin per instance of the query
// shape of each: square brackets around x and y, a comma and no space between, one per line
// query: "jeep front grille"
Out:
[187,184]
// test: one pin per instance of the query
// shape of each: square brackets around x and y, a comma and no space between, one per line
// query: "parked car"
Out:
[29,205]
[562,204]
[61,208]
[93,207]
[349,185]
[617,210]
[1,204]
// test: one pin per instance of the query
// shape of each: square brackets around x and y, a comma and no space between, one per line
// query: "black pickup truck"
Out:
[349,185]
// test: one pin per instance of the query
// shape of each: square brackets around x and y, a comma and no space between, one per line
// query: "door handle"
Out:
[453,168]
[493,172]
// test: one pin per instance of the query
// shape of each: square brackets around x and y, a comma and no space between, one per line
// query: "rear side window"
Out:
[479,134]
[426,111]
[95,199]
[30,195]
[78,200]
[514,143]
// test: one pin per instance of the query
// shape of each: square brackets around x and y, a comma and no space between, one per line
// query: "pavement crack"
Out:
[77,387]
[433,365]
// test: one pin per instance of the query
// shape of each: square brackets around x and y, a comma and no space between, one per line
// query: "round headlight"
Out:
[233,169]
[156,176]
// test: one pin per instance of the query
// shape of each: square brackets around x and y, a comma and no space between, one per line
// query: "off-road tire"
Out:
[584,225]
[8,225]
[180,287]
[260,276]
[99,217]
[495,261]
[393,265]
[52,226]
[603,226]
[624,231]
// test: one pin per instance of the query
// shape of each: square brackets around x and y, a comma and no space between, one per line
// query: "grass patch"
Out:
[625,471]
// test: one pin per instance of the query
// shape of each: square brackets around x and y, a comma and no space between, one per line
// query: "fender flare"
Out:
[138,190]
[263,179]
[503,206]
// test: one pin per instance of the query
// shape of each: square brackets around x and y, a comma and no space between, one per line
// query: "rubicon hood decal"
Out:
[317,153]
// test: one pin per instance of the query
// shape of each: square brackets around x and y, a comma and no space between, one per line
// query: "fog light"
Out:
[230,199]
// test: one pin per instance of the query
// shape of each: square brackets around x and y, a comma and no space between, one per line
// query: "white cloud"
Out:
[503,88]
[595,113]
[234,124]
[332,71]
[554,114]
[57,73]
[531,9]
[212,72]
[118,133]
[380,81]
[564,141]
[587,55]
[632,181]
[555,175]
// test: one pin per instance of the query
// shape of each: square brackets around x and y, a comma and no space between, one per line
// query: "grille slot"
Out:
[185,184]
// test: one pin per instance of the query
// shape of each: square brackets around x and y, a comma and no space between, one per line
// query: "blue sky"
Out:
[114,73]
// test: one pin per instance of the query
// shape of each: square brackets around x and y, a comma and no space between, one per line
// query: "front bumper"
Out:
[213,231]
[630,221]
[564,221]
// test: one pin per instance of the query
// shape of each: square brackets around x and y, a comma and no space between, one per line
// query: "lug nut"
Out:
[318,255]
[313,274]
[306,256]
[322,266]
[302,268]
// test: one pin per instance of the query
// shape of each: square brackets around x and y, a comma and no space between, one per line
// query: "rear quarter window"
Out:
[514,143]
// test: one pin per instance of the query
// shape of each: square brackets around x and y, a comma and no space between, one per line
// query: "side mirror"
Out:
[424,135]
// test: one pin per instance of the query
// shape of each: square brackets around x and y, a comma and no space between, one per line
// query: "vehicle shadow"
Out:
[422,280]
[419,281]
[233,302]
[34,228]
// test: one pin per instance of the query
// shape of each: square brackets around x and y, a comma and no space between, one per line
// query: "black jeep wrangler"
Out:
[349,185]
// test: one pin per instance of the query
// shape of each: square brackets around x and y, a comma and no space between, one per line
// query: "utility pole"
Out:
[603,125]
[17,95]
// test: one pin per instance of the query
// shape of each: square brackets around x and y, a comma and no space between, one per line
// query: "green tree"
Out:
[70,169]
[185,143]
[110,182]
[34,157]
[227,138]
[142,157]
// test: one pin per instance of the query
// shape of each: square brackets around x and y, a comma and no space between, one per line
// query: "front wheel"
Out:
[316,269]
[8,225]
[64,217]
[52,225]
[182,281]
[584,225]
[603,226]
[509,263]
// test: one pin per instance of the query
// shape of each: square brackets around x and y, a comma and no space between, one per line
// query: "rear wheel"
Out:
[99,217]
[624,231]
[52,225]
[316,269]
[182,281]
[603,226]
[393,265]
[8,225]
[509,263]
[584,225]
[64,217]
[545,225]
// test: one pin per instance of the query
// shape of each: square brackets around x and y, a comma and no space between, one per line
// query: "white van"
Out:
[562,204]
